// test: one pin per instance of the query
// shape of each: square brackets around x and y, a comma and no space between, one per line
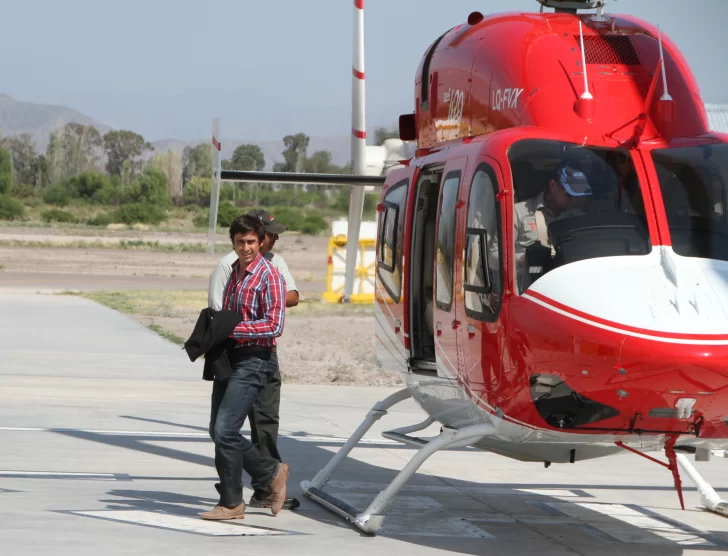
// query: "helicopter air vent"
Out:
[609,49]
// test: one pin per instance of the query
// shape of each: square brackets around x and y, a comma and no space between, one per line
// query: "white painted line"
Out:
[447,489]
[550,492]
[60,475]
[180,523]
[109,432]
[644,529]
[192,434]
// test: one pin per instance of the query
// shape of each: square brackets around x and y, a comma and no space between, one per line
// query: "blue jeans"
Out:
[232,400]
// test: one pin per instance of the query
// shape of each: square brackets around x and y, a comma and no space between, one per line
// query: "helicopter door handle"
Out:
[397,326]
[438,327]
[471,331]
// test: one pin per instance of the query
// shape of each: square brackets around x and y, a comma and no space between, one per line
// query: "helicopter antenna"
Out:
[586,94]
[665,95]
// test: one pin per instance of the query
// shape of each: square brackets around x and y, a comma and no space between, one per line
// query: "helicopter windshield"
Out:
[692,183]
[573,203]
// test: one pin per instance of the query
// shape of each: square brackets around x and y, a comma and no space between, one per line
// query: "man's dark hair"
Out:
[244,225]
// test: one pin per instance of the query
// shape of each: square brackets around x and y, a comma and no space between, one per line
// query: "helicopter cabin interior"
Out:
[422,333]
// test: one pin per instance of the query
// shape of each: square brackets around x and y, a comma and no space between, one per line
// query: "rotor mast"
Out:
[572,6]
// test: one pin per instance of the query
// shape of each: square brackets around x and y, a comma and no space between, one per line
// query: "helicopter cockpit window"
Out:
[389,257]
[483,269]
[693,186]
[572,203]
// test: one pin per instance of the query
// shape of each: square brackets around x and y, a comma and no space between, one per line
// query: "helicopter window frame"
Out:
[489,187]
[446,303]
[391,274]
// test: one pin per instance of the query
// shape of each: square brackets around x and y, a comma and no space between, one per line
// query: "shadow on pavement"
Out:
[444,513]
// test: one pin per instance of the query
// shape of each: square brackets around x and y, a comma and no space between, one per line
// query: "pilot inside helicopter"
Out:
[564,195]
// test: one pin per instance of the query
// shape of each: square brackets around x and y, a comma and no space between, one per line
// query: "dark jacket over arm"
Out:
[211,337]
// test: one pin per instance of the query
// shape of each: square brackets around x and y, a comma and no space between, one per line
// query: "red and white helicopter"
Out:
[604,329]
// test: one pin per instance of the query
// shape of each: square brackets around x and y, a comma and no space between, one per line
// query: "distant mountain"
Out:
[339,147]
[39,120]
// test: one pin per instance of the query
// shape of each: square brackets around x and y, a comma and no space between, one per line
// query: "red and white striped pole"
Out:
[215,189]
[358,149]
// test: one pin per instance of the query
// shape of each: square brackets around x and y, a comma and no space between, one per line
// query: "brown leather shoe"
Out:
[277,488]
[219,513]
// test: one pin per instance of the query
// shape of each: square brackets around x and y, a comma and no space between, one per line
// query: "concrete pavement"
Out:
[104,449]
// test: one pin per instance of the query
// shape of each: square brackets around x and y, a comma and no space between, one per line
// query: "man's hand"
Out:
[291,298]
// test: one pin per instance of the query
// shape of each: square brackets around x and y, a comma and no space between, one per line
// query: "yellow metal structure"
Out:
[364,272]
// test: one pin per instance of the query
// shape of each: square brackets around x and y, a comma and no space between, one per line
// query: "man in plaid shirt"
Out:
[257,291]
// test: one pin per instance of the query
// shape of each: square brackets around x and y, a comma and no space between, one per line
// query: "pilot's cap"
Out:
[573,179]
[267,220]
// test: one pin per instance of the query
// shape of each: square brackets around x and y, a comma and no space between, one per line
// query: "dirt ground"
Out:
[321,343]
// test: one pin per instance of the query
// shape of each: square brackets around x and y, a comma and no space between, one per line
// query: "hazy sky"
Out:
[165,68]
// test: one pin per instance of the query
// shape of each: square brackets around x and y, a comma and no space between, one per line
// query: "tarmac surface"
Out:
[104,450]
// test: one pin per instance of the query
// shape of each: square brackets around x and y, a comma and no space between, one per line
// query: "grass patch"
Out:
[150,303]
[188,303]
[312,306]
[166,334]
[2,267]
[124,245]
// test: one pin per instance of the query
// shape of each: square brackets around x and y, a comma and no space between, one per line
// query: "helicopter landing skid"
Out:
[371,519]
[708,497]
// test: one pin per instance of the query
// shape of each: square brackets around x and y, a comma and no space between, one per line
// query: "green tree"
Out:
[41,172]
[124,146]
[295,153]
[150,188]
[83,145]
[55,158]
[381,134]
[6,172]
[318,163]
[171,164]
[92,186]
[22,150]
[197,161]
[197,191]
[246,158]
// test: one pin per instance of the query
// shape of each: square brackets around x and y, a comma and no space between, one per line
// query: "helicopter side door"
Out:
[390,291]
[483,333]
[448,270]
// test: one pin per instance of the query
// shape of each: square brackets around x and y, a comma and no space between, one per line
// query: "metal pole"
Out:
[215,189]
[358,149]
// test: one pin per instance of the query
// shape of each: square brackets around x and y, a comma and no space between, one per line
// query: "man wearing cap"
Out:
[564,195]
[264,416]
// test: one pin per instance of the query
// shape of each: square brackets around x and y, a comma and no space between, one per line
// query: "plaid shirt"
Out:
[259,296]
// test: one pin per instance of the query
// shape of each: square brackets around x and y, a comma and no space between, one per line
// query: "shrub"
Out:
[291,218]
[23,191]
[150,189]
[226,213]
[56,215]
[197,192]
[86,185]
[6,172]
[58,195]
[314,225]
[11,209]
[103,219]
[143,213]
